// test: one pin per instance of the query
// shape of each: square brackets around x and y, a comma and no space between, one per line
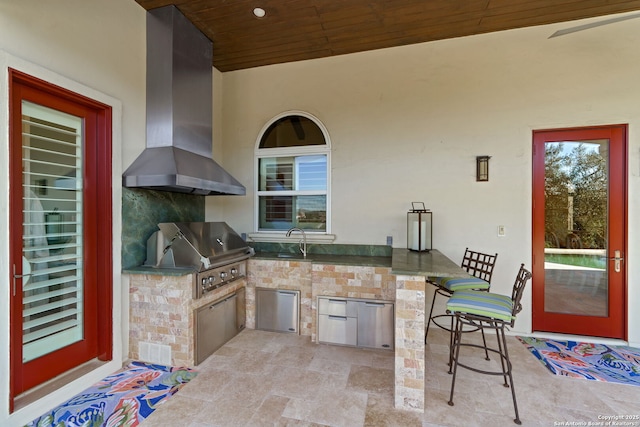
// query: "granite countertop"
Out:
[155,271]
[337,259]
[432,263]
[402,261]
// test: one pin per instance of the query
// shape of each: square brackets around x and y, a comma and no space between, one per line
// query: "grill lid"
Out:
[200,245]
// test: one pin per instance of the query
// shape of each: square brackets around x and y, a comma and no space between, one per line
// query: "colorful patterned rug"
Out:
[599,362]
[122,399]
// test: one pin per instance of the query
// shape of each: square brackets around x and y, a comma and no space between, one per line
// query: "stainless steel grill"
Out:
[213,249]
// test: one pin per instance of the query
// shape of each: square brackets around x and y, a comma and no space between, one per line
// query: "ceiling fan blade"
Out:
[593,25]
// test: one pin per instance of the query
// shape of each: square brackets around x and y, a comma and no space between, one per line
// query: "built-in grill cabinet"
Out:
[209,278]
[217,323]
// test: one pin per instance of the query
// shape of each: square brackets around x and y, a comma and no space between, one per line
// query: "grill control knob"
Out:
[211,279]
[223,274]
[234,271]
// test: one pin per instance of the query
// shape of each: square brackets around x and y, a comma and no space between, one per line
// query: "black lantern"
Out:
[419,228]
[482,168]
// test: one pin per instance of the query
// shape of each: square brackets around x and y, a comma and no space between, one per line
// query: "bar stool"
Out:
[487,310]
[480,266]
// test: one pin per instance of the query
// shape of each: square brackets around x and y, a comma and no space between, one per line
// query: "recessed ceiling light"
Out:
[259,12]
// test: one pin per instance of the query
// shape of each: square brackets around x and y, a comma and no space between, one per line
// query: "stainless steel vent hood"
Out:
[178,153]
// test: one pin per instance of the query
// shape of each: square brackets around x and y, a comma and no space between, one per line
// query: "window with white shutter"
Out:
[293,175]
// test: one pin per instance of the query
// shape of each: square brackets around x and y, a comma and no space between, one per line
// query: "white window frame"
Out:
[279,235]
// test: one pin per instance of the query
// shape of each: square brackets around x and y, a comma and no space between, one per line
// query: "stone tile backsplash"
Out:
[328,249]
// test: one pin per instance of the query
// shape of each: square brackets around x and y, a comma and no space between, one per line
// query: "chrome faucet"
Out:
[302,244]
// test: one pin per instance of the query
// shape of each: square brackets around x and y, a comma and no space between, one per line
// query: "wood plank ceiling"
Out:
[295,30]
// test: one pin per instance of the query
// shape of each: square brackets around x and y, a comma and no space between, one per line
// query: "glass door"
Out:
[579,231]
[60,232]
[52,288]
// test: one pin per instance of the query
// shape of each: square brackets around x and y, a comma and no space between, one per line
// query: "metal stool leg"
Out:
[484,342]
[456,339]
[502,359]
[509,366]
[433,303]
[452,335]
[451,344]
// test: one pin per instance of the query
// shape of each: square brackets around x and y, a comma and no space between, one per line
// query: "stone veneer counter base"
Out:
[411,270]
[162,311]
[399,278]
[313,279]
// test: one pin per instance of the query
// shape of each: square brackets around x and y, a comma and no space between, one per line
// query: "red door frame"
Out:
[615,326]
[97,220]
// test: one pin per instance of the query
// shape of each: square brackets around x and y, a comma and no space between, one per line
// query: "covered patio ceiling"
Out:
[295,30]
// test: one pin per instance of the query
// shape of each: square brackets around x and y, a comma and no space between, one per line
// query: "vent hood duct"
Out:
[178,153]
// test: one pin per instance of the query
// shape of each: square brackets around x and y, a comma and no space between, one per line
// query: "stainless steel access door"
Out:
[375,325]
[211,328]
[277,310]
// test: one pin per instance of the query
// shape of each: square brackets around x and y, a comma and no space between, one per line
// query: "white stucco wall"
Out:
[96,48]
[407,123]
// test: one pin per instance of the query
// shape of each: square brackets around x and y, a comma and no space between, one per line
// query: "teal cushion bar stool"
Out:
[453,284]
[480,268]
[487,310]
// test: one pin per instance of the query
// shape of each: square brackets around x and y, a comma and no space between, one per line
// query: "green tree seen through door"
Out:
[576,195]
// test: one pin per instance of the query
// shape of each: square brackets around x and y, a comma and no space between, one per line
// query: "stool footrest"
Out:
[482,371]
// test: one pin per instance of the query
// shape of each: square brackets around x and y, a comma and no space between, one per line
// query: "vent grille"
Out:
[159,354]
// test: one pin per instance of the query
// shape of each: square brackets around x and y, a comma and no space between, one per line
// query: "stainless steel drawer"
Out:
[337,329]
[337,307]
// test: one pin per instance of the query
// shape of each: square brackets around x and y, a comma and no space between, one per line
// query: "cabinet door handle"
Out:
[286,293]
[343,318]
[212,306]
[374,304]
[337,301]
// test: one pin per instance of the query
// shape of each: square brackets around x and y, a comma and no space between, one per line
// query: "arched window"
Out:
[292,163]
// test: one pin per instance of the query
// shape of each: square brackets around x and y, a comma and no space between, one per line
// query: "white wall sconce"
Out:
[482,168]
[419,228]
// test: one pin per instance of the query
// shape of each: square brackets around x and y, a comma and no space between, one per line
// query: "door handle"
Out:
[616,261]
[17,276]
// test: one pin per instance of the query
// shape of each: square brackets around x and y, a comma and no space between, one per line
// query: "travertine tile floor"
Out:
[269,379]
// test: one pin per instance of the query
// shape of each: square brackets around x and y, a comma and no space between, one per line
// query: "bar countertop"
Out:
[402,261]
[432,263]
